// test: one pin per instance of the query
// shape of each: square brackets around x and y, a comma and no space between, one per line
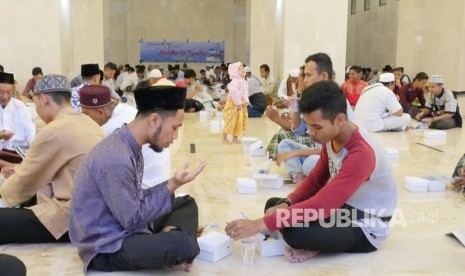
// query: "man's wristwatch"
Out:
[284,200]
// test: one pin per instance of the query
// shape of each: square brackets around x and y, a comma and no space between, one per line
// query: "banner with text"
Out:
[188,52]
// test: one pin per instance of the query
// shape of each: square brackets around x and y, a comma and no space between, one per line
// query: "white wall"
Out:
[240,25]
[56,35]
[312,26]
[431,38]
[261,34]
[372,35]
[176,20]
[30,37]
[87,34]
[284,33]
[420,35]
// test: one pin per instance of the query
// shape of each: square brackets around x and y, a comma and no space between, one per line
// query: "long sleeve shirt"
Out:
[75,100]
[157,165]
[407,95]
[269,86]
[49,167]
[109,203]
[282,90]
[17,118]
[238,87]
[359,175]
[130,82]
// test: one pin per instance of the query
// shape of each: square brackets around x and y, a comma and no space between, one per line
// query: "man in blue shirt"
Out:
[115,223]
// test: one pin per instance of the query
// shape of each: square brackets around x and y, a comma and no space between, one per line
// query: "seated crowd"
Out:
[105,183]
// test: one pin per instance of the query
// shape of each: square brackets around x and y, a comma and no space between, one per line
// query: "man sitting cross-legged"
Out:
[44,180]
[115,223]
[345,202]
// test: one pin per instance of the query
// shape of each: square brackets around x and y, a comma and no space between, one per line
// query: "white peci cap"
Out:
[436,78]
[386,77]
[294,72]
[155,73]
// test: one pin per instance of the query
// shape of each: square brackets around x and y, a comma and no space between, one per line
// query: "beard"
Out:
[154,147]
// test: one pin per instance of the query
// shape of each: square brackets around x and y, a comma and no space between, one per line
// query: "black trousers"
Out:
[193,106]
[19,225]
[160,249]
[315,237]
[11,266]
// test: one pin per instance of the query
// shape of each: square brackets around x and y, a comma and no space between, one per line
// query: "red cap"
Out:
[95,96]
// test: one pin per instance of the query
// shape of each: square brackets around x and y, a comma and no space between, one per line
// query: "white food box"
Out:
[436,184]
[214,246]
[247,142]
[415,184]
[246,185]
[257,149]
[270,247]
[269,181]
[435,134]
[219,114]
[215,126]
[203,115]
[392,153]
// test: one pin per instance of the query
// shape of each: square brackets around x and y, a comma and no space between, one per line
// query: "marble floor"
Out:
[418,246]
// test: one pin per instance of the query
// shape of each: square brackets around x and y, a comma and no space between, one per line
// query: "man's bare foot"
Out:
[299,255]
[183,266]
[236,141]
[226,141]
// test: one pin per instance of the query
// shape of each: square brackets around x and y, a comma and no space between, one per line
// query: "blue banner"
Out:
[188,52]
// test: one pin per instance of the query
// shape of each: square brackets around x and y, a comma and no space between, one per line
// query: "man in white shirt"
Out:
[210,74]
[154,76]
[257,98]
[110,114]
[122,76]
[268,84]
[131,81]
[109,71]
[378,108]
[288,87]
[16,126]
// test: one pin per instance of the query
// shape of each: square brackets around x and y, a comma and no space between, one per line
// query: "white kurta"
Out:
[157,165]
[375,109]
[282,90]
[130,81]
[16,118]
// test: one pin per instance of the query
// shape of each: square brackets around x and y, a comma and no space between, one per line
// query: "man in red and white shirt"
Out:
[344,204]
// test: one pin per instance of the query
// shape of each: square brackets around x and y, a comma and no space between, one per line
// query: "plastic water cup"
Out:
[423,124]
[215,126]
[203,116]
[248,251]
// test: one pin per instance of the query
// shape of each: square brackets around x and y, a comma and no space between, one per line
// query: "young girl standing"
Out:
[235,110]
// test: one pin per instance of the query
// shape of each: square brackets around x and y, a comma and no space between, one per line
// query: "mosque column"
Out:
[82,36]
[431,38]
[283,33]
